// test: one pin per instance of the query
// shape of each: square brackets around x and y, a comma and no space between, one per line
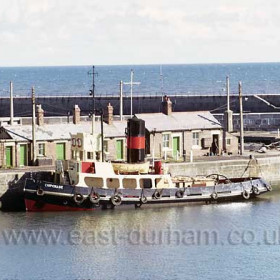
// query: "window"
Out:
[165,140]
[228,141]
[89,155]
[41,149]
[195,137]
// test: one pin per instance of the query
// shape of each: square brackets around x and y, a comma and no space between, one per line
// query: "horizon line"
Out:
[144,64]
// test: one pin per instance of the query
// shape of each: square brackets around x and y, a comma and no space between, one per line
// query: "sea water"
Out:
[238,240]
[155,79]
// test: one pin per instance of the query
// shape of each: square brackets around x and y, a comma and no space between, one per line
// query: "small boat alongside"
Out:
[82,184]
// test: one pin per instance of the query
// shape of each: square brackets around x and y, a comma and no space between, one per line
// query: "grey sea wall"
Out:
[58,106]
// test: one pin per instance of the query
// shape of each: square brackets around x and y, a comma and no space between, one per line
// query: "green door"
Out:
[23,155]
[119,149]
[175,146]
[9,156]
[60,151]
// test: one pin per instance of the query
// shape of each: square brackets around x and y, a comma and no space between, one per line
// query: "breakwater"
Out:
[63,105]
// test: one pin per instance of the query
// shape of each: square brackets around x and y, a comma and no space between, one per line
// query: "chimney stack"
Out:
[40,115]
[109,114]
[76,114]
[167,106]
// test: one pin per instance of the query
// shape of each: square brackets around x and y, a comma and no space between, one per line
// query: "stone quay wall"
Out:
[266,167]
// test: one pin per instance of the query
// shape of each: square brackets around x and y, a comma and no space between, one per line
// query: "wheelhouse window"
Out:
[41,149]
[89,155]
[195,138]
[165,140]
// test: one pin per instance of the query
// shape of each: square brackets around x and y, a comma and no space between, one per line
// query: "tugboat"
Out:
[88,184]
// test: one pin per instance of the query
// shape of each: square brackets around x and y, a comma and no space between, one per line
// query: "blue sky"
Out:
[107,32]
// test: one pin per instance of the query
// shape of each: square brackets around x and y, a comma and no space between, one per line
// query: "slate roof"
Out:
[63,131]
[180,121]
[176,121]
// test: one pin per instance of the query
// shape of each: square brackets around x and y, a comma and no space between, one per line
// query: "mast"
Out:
[131,83]
[92,92]
[33,127]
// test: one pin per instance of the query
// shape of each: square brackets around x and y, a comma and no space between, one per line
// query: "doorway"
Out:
[175,146]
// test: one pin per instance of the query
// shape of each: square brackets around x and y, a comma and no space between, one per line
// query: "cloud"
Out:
[62,32]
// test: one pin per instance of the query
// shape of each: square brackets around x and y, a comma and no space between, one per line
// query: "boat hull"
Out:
[45,196]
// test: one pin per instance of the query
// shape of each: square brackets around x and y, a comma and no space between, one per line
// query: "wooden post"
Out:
[228,103]
[11,103]
[121,100]
[241,120]
[34,154]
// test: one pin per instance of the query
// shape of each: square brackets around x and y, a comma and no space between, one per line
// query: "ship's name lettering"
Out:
[54,186]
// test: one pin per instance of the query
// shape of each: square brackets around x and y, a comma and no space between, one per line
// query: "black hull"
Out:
[45,196]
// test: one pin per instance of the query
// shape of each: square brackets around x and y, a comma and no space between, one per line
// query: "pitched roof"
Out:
[180,121]
[160,121]
[52,132]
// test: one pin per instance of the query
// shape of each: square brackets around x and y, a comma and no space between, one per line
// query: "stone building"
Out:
[176,135]
[53,139]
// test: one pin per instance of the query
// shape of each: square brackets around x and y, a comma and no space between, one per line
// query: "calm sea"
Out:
[176,79]
[237,240]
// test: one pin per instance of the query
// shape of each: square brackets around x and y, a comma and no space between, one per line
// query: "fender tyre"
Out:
[78,198]
[94,198]
[246,194]
[116,200]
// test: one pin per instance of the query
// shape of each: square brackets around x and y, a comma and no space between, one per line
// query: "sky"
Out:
[112,32]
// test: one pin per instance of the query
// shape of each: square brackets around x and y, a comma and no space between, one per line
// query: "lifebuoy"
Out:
[143,199]
[94,197]
[116,200]
[157,194]
[40,192]
[214,195]
[246,194]
[268,187]
[78,198]
[256,190]
[179,194]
